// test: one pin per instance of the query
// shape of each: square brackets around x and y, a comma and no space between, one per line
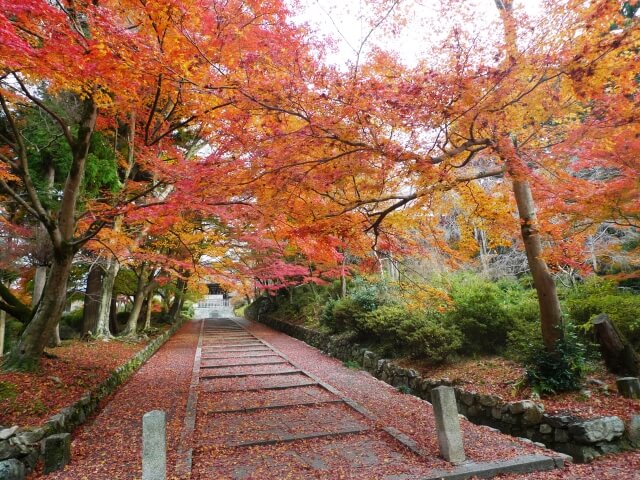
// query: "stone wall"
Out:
[21,448]
[583,439]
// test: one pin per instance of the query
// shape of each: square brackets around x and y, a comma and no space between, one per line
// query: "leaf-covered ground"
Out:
[624,466]
[109,446]
[497,376]
[28,399]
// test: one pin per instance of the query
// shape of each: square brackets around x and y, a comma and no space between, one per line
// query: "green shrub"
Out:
[345,314]
[597,296]
[562,370]
[409,333]
[73,319]
[480,313]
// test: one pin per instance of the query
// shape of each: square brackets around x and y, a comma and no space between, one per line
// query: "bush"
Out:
[562,370]
[480,313]
[597,296]
[73,320]
[407,332]
[345,313]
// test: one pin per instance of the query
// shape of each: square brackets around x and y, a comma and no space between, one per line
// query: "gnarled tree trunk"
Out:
[26,353]
[550,313]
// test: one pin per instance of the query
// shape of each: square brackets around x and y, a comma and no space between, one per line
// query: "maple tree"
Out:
[225,115]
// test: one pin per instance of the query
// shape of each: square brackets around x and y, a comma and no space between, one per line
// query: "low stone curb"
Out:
[584,440]
[522,464]
[23,445]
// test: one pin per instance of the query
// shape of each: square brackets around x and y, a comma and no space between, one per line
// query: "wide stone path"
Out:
[254,413]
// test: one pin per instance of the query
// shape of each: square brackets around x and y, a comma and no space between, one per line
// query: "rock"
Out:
[56,450]
[597,430]
[561,435]
[488,400]
[8,432]
[8,450]
[580,453]
[559,421]
[496,412]
[545,428]
[519,407]
[12,470]
[628,387]
[596,382]
[510,419]
[473,411]
[633,431]
[400,381]
[586,393]
[30,437]
[56,380]
[533,414]
[468,398]
[411,373]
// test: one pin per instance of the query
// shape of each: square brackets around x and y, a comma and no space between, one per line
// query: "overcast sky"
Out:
[347,22]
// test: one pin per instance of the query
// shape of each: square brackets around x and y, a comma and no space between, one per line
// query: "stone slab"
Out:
[522,464]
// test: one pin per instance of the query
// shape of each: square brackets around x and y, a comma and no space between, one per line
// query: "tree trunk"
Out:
[618,354]
[26,354]
[39,281]
[178,299]
[142,289]
[92,299]
[111,270]
[3,322]
[113,314]
[550,314]
[147,318]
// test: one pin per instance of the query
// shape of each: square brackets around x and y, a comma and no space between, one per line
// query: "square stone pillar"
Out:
[445,410]
[154,448]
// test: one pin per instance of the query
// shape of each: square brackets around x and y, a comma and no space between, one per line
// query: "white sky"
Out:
[346,21]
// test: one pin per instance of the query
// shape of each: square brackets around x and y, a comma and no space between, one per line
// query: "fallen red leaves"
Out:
[78,367]
[624,466]
[109,447]
[497,376]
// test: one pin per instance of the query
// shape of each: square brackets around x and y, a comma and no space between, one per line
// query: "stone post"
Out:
[154,448]
[56,450]
[628,387]
[445,410]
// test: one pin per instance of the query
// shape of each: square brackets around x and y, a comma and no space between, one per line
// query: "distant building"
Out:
[217,303]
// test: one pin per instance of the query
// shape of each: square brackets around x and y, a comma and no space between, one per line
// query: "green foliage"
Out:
[46,146]
[405,389]
[354,365]
[596,296]
[345,314]
[73,319]
[563,369]
[407,332]
[485,312]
